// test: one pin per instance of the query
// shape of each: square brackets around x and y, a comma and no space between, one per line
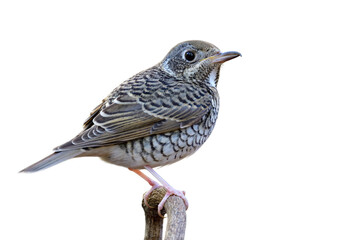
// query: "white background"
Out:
[282,162]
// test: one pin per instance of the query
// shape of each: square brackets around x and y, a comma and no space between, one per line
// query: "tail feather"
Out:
[52,160]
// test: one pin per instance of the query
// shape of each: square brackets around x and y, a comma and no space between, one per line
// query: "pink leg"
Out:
[169,190]
[154,185]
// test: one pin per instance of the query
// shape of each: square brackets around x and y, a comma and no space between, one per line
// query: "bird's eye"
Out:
[189,56]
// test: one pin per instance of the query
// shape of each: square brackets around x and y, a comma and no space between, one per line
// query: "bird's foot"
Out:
[154,185]
[171,191]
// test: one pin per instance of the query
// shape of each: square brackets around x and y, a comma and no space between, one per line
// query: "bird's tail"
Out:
[51,160]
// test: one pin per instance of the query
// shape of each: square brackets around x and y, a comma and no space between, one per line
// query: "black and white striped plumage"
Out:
[156,117]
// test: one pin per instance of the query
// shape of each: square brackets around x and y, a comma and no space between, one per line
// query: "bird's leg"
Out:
[154,185]
[169,190]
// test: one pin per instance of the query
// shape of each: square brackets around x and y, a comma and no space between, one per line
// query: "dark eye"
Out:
[189,56]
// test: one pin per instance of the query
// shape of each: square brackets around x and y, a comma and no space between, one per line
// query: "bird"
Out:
[157,117]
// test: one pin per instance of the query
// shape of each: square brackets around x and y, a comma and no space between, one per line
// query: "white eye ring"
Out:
[189,55]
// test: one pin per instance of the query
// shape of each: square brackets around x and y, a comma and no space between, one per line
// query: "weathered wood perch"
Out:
[176,216]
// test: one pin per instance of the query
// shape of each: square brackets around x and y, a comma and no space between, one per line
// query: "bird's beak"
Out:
[223,57]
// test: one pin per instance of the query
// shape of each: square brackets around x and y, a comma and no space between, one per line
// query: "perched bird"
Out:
[157,117]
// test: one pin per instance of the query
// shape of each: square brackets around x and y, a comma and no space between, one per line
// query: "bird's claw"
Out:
[148,193]
[154,185]
[169,191]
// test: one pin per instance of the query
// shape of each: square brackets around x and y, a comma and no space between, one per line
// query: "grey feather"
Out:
[51,160]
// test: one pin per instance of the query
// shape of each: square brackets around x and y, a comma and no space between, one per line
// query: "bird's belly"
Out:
[161,149]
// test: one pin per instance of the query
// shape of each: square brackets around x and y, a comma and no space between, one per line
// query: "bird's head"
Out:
[196,61]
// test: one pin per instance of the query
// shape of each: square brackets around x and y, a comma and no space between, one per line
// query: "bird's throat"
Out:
[212,78]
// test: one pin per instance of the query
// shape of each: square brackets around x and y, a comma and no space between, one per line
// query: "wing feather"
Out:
[137,109]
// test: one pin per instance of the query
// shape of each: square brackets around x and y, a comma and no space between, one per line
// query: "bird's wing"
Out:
[89,121]
[142,108]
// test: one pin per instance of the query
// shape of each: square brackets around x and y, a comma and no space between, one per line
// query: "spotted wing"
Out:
[142,108]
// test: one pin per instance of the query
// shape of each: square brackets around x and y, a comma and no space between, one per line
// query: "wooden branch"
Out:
[176,214]
[153,222]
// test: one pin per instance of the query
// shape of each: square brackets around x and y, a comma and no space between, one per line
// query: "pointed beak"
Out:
[223,57]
